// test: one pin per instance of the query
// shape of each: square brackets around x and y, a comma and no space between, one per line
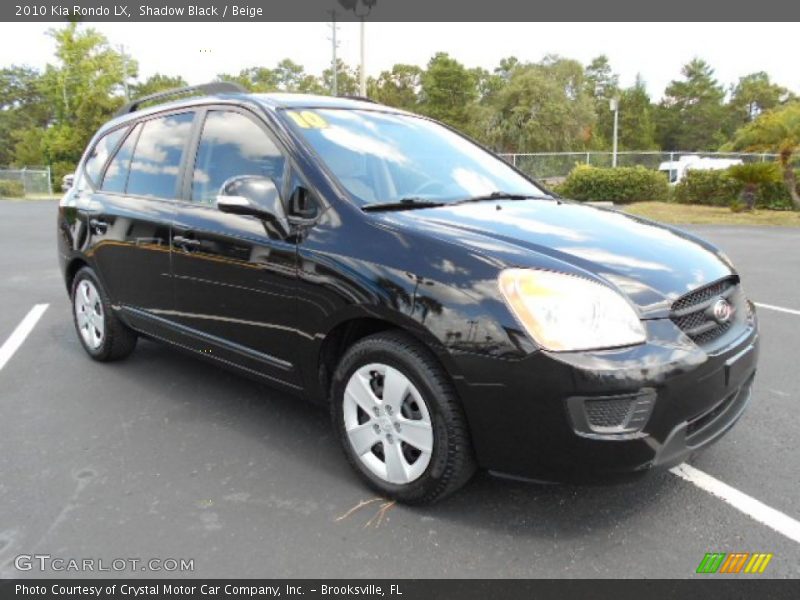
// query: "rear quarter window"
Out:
[93,167]
[116,175]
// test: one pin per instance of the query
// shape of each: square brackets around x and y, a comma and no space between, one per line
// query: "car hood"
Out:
[651,263]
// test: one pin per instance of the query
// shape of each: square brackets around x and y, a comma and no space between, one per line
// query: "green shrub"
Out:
[774,195]
[721,188]
[757,173]
[752,177]
[11,189]
[621,185]
[58,170]
[713,188]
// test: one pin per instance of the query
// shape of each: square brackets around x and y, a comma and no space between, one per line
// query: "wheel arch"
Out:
[350,329]
[73,266]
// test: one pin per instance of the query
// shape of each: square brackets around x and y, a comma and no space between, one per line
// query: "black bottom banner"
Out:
[402,589]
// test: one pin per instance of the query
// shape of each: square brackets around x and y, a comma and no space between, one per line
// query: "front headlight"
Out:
[566,313]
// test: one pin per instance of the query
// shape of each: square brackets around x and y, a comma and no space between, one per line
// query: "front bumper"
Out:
[522,424]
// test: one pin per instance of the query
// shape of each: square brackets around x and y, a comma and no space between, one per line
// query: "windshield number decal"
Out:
[307,119]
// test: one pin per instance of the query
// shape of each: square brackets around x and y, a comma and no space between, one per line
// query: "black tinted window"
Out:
[104,147]
[157,158]
[117,172]
[232,144]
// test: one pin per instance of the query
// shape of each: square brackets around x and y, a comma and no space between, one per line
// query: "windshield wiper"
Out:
[499,195]
[402,204]
[416,202]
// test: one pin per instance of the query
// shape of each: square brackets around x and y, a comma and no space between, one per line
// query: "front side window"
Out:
[102,149]
[157,158]
[231,145]
[387,157]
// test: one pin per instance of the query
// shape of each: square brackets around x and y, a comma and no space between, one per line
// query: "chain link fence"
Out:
[557,165]
[35,181]
[548,166]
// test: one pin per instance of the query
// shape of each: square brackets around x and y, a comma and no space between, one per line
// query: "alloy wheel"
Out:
[89,314]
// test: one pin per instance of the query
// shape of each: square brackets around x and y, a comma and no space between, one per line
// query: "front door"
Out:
[235,283]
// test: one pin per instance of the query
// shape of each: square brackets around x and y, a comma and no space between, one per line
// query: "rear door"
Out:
[235,283]
[132,216]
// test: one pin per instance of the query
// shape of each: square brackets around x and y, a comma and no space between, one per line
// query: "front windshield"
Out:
[383,157]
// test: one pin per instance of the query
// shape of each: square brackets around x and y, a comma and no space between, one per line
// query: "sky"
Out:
[199,51]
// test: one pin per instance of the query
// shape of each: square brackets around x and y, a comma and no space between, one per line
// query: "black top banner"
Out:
[400,10]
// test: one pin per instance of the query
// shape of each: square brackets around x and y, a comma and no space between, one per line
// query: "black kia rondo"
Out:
[451,312]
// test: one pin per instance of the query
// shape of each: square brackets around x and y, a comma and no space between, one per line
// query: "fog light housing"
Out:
[619,416]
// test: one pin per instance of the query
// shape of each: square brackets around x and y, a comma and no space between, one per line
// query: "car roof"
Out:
[292,100]
[270,101]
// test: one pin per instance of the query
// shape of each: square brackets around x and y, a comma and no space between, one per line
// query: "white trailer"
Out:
[676,169]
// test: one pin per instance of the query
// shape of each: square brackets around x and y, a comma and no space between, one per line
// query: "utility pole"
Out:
[614,104]
[334,62]
[64,90]
[125,72]
[362,84]
[362,13]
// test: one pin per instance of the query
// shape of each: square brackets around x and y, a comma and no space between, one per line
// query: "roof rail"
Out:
[216,87]
[360,98]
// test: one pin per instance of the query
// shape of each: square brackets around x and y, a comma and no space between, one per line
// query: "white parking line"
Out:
[791,311]
[755,509]
[18,336]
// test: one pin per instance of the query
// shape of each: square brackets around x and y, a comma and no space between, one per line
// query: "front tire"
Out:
[399,420]
[101,333]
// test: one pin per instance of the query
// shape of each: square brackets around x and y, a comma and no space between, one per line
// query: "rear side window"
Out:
[157,157]
[232,145]
[117,172]
[100,153]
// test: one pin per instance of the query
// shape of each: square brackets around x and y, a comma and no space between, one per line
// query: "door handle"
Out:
[185,242]
[98,225]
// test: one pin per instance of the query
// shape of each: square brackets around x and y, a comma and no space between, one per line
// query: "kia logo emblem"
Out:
[722,311]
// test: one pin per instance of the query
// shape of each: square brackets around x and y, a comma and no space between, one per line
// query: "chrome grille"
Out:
[689,312]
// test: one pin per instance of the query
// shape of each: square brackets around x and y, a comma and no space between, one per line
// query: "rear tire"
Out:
[400,421]
[101,333]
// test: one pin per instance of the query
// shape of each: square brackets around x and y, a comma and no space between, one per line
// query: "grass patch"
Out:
[30,197]
[694,214]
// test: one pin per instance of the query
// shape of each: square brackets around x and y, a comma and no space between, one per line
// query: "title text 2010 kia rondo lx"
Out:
[452,312]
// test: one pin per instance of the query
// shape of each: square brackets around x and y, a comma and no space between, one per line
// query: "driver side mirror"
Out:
[254,196]
[302,203]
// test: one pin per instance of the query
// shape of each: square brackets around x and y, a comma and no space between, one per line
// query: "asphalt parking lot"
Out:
[164,456]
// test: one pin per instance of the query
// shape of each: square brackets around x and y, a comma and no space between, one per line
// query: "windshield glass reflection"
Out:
[387,157]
